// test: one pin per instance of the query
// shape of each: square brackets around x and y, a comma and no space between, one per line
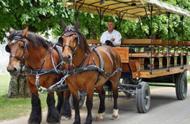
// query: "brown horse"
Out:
[31,50]
[88,70]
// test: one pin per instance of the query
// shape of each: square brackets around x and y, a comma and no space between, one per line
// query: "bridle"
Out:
[24,67]
[69,34]
[15,39]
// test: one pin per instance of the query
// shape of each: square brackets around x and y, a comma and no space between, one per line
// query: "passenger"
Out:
[111,37]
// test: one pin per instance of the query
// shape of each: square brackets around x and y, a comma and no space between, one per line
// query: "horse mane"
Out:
[83,43]
[35,39]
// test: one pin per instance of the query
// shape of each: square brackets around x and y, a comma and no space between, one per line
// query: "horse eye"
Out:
[7,49]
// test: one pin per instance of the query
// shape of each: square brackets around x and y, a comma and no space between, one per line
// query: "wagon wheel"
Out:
[82,98]
[181,86]
[143,98]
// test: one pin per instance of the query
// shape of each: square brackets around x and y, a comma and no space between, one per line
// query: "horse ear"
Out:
[25,32]
[7,34]
[11,30]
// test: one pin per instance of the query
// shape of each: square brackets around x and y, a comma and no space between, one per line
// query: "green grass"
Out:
[4,83]
[11,108]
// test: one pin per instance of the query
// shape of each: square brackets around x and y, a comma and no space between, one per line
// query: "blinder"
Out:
[7,49]
[71,48]
[60,41]
[70,31]
[14,40]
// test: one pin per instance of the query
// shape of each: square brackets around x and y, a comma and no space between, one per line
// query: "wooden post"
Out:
[160,62]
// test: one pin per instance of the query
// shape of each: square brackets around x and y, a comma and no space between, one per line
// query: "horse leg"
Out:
[36,114]
[77,111]
[101,109]
[115,114]
[53,115]
[89,104]
[66,108]
[60,101]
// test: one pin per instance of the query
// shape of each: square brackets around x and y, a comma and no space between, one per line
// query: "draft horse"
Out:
[38,55]
[89,69]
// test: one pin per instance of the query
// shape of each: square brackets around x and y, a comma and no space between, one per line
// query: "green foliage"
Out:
[39,15]
[43,15]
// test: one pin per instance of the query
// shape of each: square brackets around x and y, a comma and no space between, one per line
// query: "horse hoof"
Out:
[76,122]
[115,117]
[115,114]
[89,122]
[65,118]
[100,117]
[34,120]
[53,122]
[53,119]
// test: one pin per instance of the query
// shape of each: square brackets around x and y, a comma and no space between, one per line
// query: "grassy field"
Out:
[14,107]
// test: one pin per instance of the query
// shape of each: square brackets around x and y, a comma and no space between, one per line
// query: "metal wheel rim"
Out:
[147,98]
[184,87]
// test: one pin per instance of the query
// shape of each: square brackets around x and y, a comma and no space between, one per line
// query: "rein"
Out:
[61,86]
[38,72]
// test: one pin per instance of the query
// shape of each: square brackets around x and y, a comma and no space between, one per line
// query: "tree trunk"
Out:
[18,87]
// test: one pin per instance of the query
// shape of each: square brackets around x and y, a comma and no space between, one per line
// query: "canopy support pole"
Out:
[150,7]
[120,18]
[76,13]
[169,36]
[182,38]
[101,16]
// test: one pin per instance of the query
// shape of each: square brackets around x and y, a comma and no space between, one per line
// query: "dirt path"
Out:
[165,109]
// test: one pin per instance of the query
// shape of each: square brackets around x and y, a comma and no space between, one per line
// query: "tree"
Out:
[39,15]
[44,15]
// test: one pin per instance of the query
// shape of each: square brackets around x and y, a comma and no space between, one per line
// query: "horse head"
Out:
[26,48]
[17,45]
[73,43]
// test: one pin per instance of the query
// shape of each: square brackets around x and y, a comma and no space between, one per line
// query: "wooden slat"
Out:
[163,72]
[144,55]
[141,42]
[93,41]
[148,54]
[146,42]
[123,52]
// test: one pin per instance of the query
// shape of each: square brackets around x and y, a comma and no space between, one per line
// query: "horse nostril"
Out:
[11,69]
[14,69]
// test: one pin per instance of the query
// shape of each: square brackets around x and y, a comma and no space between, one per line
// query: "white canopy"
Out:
[127,8]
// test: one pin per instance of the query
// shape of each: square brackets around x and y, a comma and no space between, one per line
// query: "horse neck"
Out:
[36,56]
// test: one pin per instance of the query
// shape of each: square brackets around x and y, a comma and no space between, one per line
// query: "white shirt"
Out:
[108,36]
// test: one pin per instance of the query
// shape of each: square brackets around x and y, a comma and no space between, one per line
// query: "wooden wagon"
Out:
[145,60]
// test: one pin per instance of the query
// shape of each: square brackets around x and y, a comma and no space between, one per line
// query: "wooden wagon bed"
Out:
[152,64]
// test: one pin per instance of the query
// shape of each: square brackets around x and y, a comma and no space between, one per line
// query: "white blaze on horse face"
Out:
[67,51]
[14,64]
